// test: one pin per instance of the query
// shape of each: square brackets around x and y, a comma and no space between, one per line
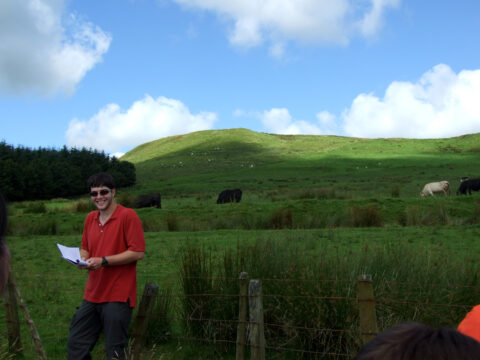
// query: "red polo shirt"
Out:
[122,231]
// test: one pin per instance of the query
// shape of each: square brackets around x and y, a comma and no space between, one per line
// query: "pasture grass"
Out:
[419,264]
[297,209]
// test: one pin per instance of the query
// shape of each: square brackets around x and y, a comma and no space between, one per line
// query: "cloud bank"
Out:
[148,119]
[276,22]
[43,52]
[440,104]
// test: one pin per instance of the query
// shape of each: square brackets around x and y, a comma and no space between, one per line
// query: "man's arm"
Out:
[123,258]
[84,254]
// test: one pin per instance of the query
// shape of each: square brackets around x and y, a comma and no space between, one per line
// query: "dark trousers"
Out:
[88,322]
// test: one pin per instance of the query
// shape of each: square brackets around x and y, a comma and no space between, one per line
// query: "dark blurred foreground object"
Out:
[414,341]
[4,253]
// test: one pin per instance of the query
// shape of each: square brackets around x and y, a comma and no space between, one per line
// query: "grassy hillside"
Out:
[209,161]
[297,182]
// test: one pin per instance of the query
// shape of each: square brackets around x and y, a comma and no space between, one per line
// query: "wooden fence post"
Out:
[256,333]
[147,303]
[366,308]
[28,319]
[11,316]
[242,316]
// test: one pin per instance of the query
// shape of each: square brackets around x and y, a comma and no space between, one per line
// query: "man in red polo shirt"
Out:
[112,243]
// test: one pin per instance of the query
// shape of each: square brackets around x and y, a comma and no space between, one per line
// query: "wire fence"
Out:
[343,324]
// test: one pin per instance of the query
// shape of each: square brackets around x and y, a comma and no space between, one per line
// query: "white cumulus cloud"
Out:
[42,50]
[441,104]
[279,121]
[254,22]
[328,122]
[148,119]
[372,19]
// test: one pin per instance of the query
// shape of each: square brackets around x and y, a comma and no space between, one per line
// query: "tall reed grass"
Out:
[420,216]
[160,330]
[308,302]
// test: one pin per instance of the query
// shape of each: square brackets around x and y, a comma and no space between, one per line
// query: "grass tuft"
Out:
[367,216]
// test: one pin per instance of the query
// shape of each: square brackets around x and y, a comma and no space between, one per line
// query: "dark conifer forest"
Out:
[35,174]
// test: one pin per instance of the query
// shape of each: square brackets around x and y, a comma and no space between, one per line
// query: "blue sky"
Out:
[113,74]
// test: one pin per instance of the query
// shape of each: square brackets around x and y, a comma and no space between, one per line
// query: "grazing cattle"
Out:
[467,186]
[436,188]
[227,196]
[4,253]
[149,200]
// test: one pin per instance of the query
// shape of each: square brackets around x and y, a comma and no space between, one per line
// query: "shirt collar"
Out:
[113,216]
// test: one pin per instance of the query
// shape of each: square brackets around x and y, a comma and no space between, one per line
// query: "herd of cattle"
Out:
[443,187]
[235,195]
[149,200]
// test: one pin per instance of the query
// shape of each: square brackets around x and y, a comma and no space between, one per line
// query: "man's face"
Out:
[102,197]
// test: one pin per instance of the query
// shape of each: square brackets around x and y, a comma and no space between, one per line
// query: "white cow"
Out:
[436,188]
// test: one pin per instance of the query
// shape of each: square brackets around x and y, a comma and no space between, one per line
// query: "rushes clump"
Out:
[282,219]
[395,191]
[309,300]
[81,206]
[417,216]
[159,331]
[367,216]
[35,207]
[172,223]
[127,199]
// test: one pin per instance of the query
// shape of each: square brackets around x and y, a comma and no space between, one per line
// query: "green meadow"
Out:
[314,208]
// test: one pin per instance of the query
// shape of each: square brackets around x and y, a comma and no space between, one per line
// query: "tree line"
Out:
[37,174]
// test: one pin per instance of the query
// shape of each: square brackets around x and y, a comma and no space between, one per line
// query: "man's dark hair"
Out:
[101,179]
[414,341]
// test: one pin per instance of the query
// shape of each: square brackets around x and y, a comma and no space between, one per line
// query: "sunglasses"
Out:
[102,192]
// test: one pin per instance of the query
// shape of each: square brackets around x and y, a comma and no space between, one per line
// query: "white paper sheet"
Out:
[71,254]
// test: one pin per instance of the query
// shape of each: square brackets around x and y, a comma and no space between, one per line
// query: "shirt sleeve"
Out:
[84,244]
[134,232]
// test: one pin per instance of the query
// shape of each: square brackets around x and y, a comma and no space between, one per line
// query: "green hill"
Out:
[209,161]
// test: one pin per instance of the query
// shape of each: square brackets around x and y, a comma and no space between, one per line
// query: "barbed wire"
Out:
[176,278]
[406,302]
[284,326]
[276,348]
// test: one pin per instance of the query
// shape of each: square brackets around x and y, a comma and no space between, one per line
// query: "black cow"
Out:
[149,200]
[467,186]
[227,196]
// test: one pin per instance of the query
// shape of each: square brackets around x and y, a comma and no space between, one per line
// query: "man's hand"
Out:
[94,263]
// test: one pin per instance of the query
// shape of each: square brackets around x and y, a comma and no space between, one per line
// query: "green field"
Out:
[316,204]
